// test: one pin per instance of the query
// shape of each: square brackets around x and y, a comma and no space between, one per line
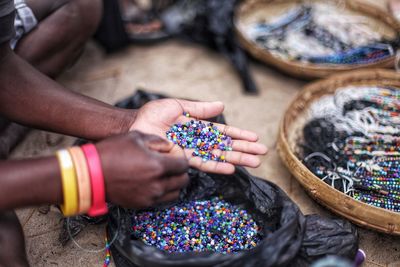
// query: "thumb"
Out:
[156,143]
[202,110]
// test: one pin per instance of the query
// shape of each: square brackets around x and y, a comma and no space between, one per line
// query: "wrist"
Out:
[121,122]
[31,181]
[53,181]
[44,181]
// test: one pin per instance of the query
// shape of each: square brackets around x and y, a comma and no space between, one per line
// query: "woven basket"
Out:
[358,212]
[251,10]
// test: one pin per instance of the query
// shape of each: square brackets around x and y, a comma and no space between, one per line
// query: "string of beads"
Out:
[364,160]
[335,38]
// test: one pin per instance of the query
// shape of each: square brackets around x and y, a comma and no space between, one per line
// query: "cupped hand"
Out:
[156,117]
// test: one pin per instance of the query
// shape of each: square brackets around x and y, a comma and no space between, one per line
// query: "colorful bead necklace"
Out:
[202,137]
[366,163]
[310,25]
[201,225]
[360,55]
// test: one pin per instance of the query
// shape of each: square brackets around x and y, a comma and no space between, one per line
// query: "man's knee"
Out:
[77,18]
[86,14]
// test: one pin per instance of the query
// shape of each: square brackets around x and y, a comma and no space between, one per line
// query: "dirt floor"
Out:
[180,70]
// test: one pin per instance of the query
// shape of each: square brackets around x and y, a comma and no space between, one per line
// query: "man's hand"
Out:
[139,171]
[156,117]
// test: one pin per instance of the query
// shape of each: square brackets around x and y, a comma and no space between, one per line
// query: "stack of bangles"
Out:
[82,181]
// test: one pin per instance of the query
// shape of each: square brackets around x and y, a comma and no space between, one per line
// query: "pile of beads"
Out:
[202,225]
[202,137]
[336,36]
[364,159]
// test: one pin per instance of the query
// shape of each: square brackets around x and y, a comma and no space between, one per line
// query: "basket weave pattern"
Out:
[309,70]
[358,212]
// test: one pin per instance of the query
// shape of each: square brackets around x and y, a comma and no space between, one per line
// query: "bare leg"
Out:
[12,243]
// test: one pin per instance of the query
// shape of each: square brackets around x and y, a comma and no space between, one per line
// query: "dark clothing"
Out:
[7,15]
[6,7]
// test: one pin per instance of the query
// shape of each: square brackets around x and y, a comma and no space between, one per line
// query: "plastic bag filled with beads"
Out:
[274,231]
[283,236]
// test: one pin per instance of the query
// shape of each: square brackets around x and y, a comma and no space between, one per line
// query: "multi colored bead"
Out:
[201,225]
[202,137]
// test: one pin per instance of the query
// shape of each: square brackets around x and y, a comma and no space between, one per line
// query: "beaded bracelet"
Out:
[69,183]
[83,178]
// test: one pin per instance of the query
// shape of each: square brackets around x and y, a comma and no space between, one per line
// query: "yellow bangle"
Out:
[69,183]
[83,179]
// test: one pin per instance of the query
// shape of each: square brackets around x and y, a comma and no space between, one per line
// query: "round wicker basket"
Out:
[358,212]
[251,11]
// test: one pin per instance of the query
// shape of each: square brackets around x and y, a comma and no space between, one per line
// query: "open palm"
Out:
[156,117]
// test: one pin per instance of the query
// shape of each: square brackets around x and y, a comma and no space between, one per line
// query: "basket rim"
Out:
[390,219]
[311,69]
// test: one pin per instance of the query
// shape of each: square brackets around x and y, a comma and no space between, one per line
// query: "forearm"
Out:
[30,182]
[30,98]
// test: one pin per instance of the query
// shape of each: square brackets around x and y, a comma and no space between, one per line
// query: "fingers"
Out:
[201,110]
[249,147]
[175,182]
[211,166]
[232,158]
[204,110]
[172,187]
[239,158]
[233,132]
[173,165]
[237,133]
[171,196]
[156,143]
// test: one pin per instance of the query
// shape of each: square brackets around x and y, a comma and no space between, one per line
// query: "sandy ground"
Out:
[180,70]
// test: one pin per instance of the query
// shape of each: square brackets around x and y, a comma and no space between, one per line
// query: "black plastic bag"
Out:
[290,239]
[78,223]
[210,22]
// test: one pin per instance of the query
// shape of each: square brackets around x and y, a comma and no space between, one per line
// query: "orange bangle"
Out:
[83,178]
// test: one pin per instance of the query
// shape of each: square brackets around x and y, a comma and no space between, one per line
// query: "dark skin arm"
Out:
[138,170]
[24,90]
[30,98]
[29,182]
